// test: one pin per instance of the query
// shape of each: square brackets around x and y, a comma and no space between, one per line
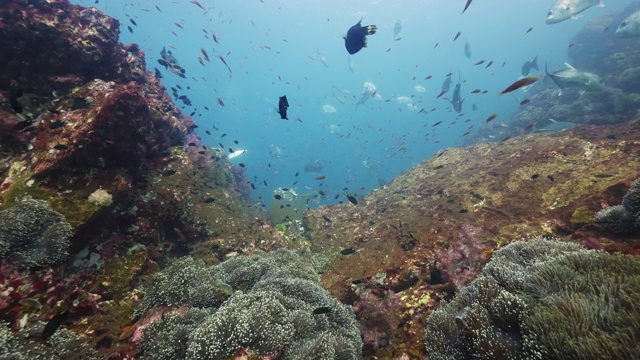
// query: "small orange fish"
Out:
[491,117]
[479,62]
[457,36]
[525,101]
[428,77]
[476,91]
[520,83]
[215,38]
[529,30]
[178,25]
[436,45]
[220,102]
[321,177]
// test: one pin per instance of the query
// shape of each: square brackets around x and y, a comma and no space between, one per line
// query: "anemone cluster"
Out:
[625,218]
[32,234]
[543,299]
[275,305]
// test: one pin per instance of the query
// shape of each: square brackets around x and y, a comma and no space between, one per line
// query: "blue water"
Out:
[359,149]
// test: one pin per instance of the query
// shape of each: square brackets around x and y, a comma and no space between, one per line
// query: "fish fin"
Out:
[569,66]
[534,63]
[581,92]
[560,92]
[365,42]
[371,29]
[575,17]
[553,121]
[600,4]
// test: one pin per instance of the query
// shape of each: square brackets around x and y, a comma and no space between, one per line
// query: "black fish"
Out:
[61,147]
[528,65]
[158,73]
[356,37]
[348,251]
[13,100]
[133,22]
[351,198]
[56,124]
[322,310]
[53,324]
[130,29]
[283,105]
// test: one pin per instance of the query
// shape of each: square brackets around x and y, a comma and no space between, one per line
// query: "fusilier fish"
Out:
[574,78]
[565,9]
[630,27]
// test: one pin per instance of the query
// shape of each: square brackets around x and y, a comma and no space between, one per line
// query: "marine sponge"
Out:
[543,299]
[625,218]
[32,234]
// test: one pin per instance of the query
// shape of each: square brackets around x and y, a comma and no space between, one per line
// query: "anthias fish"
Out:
[520,83]
[356,37]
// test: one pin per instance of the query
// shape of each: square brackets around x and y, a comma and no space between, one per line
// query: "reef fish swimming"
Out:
[283,105]
[571,77]
[630,26]
[528,65]
[565,9]
[356,37]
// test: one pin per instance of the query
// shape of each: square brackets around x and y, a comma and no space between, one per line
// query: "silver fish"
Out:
[565,9]
[574,78]
[630,26]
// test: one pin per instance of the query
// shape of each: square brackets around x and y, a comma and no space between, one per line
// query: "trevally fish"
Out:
[565,9]
[574,78]
[630,26]
[555,126]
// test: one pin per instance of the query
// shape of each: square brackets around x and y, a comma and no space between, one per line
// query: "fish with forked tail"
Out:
[566,9]
[571,77]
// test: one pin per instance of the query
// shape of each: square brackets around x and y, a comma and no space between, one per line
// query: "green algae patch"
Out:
[581,216]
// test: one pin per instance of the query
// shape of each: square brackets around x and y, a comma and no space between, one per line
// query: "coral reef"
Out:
[276,313]
[542,299]
[625,218]
[32,234]
[63,344]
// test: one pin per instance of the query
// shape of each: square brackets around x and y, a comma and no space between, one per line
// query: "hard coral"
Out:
[543,299]
[32,234]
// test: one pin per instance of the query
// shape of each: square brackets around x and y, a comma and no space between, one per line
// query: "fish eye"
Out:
[549,13]
[624,23]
